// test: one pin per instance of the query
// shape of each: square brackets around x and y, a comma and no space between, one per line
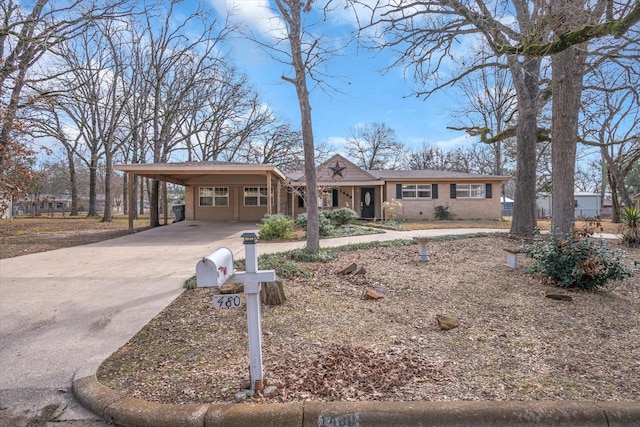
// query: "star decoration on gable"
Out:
[337,170]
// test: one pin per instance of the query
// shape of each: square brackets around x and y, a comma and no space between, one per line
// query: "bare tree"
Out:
[94,101]
[429,158]
[489,108]
[375,146]
[426,33]
[29,31]
[224,115]
[305,53]
[612,124]
[426,36]
[49,124]
[137,114]
[280,146]
[174,67]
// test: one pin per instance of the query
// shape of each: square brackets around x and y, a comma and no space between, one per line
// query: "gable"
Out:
[337,169]
[340,171]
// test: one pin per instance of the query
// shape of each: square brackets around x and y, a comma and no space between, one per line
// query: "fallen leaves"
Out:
[327,342]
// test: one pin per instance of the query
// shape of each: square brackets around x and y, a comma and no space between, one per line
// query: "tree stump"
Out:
[272,293]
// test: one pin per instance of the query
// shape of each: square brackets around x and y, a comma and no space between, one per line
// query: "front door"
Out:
[367,202]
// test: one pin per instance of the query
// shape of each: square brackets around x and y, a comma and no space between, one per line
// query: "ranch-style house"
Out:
[226,191]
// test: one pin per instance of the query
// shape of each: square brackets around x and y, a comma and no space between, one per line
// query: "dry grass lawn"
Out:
[328,343]
[27,235]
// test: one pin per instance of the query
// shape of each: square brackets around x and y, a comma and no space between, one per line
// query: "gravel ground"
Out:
[327,342]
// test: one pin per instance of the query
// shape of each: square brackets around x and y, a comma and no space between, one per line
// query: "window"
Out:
[470,191]
[329,198]
[256,196]
[416,191]
[214,196]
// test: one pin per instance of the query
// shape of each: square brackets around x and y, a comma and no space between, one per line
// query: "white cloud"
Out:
[453,142]
[257,15]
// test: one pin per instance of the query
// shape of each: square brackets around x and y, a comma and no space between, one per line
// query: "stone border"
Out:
[124,410]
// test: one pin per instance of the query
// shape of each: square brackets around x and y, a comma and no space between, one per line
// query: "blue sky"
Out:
[364,94]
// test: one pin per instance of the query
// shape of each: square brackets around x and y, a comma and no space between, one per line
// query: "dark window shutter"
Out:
[452,191]
[398,191]
[434,191]
[334,197]
[487,192]
[300,202]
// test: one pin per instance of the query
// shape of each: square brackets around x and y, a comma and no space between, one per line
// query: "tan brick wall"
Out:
[485,208]
[188,200]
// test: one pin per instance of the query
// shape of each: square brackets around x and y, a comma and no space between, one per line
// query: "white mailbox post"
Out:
[216,269]
[252,278]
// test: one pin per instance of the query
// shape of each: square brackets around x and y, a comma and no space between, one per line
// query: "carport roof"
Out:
[179,173]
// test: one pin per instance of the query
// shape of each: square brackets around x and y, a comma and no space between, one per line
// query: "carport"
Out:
[216,190]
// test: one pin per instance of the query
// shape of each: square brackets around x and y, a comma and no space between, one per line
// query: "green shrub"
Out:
[575,262]
[630,217]
[324,223]
[276,226]
[283,266]
[301,220]
[341,216]
[442,213]
[323,255]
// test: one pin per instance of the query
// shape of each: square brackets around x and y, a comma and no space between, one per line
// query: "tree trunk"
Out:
[93,178]
[566,86]
[142,187]
[125,194]
[73,182]
[616,177]
[154,213]
[615,204]
[292,17]
[107,216]
[526,78]
[272,293]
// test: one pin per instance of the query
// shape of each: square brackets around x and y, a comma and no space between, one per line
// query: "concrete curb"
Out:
[127,411]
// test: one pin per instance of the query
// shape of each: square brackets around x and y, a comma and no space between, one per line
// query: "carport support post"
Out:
[252,291]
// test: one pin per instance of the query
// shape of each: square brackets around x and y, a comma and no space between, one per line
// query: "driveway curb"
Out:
[124,410]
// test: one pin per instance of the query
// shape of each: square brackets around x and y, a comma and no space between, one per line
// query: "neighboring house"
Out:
[587,205]
[246,192]
[507,206]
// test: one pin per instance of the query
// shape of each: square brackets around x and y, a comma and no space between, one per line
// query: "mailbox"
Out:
[215,269]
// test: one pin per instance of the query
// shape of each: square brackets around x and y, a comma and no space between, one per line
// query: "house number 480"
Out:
[226,301]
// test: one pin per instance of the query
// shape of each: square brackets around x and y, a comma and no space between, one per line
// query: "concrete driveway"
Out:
[64,312]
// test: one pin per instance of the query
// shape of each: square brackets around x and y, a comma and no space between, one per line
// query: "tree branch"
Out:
[483,133]
[615,28]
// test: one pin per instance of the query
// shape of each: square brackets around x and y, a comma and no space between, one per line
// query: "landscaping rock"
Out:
[240,397]
[371,294]
[553,294]
[270,391]
[348,269]
[447,322]
[359,270]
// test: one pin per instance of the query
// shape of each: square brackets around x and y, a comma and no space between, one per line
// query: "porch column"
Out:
[293,204]
[353,198]
[381,202]
[269,194]
[165,203]
[132,202]
[278,198]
